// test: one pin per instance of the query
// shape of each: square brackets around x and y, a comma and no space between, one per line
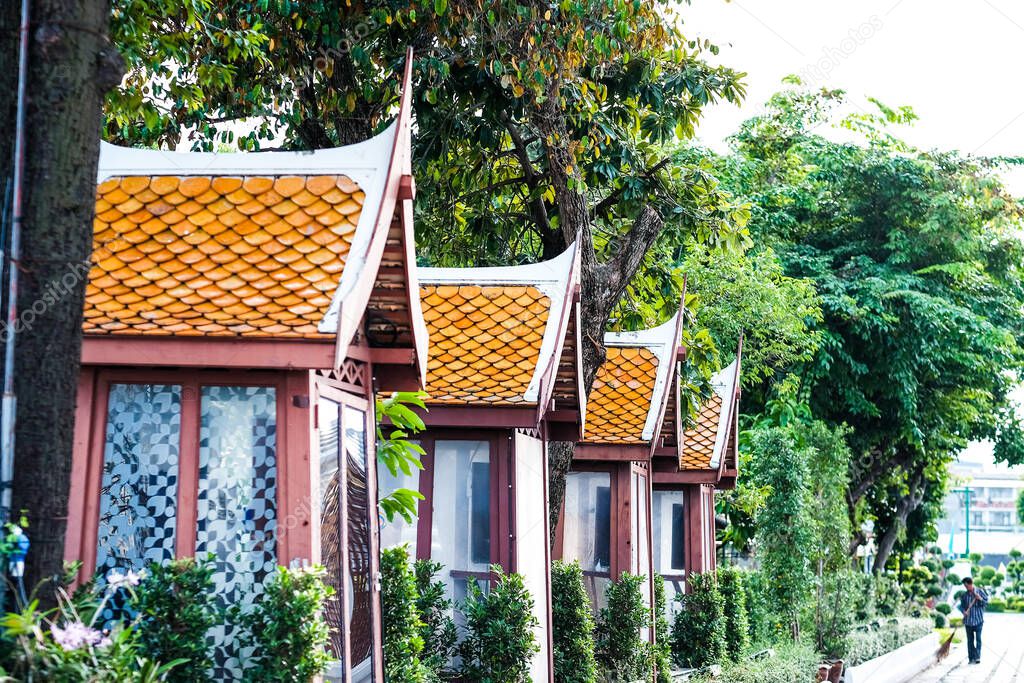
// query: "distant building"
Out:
[994,488]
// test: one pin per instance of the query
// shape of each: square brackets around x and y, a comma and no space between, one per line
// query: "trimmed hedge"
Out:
[699,632]
[572,625]
[880,637]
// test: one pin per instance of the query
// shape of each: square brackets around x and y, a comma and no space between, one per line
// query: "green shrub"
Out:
[792,663]
[865,607]
[734,598]
[662,634]
[996,605]
[876,639]
[759,614]
[785,533]
[940,620]
[698,635]
[286,628]
[944,608]
[176,608]
[435,612]
[888,596]
[66,645]
[402,642]
[572,628]
[833,612]
[621,652]
[500,625]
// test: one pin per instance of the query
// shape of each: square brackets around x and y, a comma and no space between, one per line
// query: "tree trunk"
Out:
[71,65]
[907,504]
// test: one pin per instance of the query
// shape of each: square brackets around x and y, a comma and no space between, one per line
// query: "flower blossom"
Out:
[76,635]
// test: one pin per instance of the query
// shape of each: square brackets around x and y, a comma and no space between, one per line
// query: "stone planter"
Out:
[899,666]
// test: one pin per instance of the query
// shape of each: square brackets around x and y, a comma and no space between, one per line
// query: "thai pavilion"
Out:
[241,312]
[606,519]
[685,481]
[502,379]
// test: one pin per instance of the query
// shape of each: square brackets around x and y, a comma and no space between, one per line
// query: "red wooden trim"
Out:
[611,452]
[76,526]
[208,352]
[188,469]
[91,515]
[622,524]
[407,187]
[297,475]
[479,417]
[425,521]
[687,477]
[502,495]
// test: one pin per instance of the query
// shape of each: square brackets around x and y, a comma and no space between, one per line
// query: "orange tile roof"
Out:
[621,398]
[256,256]
[485,341]
[699,440]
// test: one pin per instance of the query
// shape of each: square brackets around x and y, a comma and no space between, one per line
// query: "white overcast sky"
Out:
[957,63]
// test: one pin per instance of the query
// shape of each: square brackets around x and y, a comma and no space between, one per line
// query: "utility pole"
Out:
[966,491]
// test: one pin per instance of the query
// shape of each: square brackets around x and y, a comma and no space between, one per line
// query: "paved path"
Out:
[1002,655]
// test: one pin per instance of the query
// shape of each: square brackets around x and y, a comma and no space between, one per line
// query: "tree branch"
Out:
[605,204]
[538,210]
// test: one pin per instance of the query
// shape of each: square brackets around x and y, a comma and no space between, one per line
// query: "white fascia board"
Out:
[551,278]
[373,187]
[662,343]
[365,163]
[723,383]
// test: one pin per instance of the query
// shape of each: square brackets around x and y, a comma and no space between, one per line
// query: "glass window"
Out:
[999,518]
[360,552]
[586,530]
[139,488]
[237,519]
[328,419]
[461,521]
[668,529]
[398,531]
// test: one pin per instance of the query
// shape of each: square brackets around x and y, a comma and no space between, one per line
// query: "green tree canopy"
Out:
[916,257]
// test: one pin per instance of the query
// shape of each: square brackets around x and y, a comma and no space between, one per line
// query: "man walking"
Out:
[972,604]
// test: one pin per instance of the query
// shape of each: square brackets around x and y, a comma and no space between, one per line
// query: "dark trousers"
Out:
[974,642]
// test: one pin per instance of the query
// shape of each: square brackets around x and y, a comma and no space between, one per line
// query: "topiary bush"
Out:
[734,599]
[402,639]
[435,612]
[287,630]
[698,635]
[572,625]
[500,625]
[175,607]
[944,608]
[996,605]
[662,634]
[621,652]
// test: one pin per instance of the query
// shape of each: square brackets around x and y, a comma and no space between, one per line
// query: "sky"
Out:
[957,64]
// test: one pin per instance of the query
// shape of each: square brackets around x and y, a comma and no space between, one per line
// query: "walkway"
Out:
[1002,656]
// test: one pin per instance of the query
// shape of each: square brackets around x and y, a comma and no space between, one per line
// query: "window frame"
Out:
[500,472]
[191,383]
